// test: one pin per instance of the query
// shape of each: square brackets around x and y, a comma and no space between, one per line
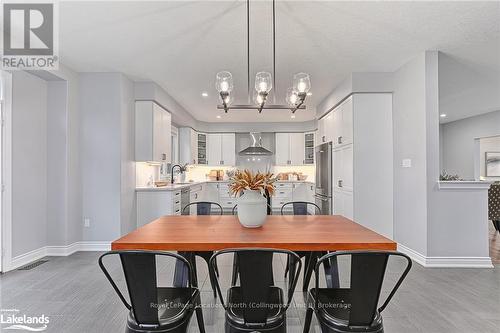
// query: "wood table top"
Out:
[292,232]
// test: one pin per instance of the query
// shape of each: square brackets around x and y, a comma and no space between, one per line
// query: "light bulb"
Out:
[301,82]
[263,82]
[291,97]
[301,86]
[224,82]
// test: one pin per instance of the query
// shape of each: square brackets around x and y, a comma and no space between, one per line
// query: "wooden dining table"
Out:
[314,233]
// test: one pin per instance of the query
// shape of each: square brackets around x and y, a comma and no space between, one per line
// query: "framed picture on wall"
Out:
[492,164]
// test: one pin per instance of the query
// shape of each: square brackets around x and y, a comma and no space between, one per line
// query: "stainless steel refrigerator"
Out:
[324,190]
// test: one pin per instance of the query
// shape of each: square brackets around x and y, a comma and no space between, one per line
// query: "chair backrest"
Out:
[367,271]
[139,268]
[234,211]
[204,208]
[255,267]
[301,207]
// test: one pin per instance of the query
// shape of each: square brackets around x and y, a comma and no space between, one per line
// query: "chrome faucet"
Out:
[172,171]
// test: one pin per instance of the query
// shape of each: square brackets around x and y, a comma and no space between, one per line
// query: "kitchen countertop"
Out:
[176,187]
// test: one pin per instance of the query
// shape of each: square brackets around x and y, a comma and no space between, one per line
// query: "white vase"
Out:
[252,209]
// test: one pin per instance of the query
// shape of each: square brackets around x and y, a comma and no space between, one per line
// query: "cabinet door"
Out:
[309,144]
[167,135]
[337,126]
[320,137]
[160,142]
[347,122]
[282,149]
[300,192]
[343,168]
[211,192]
[297,147]
[343,204]
[337,168]
[347,168]
[193,146]
[214,155]
[329,130]
[228,149]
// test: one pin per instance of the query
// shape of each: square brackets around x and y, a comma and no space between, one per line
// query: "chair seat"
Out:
[275,316]
[334,310]
[175,306]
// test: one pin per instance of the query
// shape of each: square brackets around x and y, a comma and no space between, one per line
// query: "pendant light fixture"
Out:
[264,82]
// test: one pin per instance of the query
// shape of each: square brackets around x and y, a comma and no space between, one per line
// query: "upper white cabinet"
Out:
[221,149]
[291,148]
[152,133]
[342,124]
[326,131]
[188,146]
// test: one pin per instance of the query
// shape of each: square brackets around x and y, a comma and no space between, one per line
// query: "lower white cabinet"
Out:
[152,205]
[343,203]
[290,191]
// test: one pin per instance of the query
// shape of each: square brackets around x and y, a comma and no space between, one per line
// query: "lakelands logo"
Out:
[30,36]
[12,319]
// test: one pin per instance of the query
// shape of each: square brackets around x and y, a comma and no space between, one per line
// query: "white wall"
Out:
[107,171]
[29,163]
[458,142]
[410,184]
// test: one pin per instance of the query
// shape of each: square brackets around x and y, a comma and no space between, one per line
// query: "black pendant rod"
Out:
[248,51]
[274,51]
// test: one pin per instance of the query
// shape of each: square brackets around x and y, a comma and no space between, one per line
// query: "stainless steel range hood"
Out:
[256,148]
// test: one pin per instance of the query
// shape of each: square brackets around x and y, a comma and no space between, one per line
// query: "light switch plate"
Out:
[86,222]
[406,163]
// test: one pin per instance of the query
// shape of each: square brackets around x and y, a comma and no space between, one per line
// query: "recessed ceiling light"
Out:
[292,116]
[309,93]
[218,117]
[443,115]
[204,94]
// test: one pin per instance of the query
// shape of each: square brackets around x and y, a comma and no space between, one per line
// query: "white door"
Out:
[297,147]
[282,149]
[214,153]
[228,149]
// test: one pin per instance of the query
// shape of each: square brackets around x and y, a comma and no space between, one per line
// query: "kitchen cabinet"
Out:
[152,205]
[221,149]
[326,128]
[309,143]
[343,123]
[152,133]
[188,146]
[292,191]
[363,161]
[211,192]
[343,168]
[343,203]
[290,149]
[202,148]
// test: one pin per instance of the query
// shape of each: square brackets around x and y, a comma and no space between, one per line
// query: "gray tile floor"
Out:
[75,295]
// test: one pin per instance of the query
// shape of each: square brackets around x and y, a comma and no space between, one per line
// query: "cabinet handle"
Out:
[340,183]
[339,140]
[323,138]
[196,195]
[163,157]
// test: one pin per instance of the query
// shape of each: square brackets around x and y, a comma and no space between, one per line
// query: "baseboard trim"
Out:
[26,258]
[58,251]
[446,262]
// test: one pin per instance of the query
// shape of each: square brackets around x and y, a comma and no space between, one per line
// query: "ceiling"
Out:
[181,45]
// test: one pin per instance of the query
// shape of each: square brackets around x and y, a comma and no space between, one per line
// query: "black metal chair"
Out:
[256,305]
[234,278]
[301,208]
[151,307]
[353,309]
[205,208]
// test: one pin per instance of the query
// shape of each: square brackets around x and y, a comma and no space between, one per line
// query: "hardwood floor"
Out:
[75,295]
[494,244]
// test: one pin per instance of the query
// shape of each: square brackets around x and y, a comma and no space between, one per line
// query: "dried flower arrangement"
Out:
[247,180]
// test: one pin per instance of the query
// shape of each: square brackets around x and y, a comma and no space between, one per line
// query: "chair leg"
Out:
[309,269]
[235,270]
[199,318]
[287,265]
[216,268]
[307,322]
